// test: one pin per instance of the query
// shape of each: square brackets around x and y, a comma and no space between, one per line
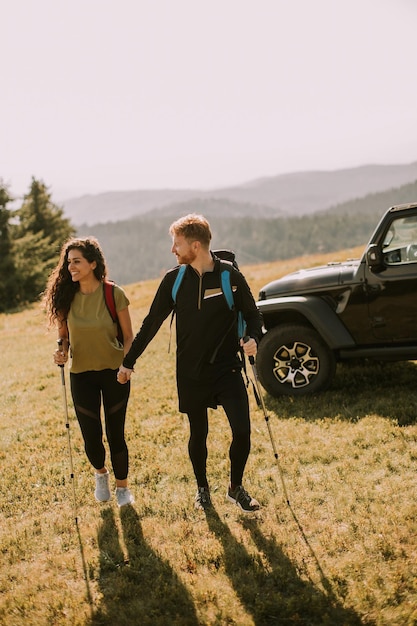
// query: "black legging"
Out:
[88,389]
[232,395]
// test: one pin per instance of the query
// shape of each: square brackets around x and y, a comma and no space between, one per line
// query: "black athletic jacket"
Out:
[206,327]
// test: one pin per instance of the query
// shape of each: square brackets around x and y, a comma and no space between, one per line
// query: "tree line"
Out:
[140,248]
[31,238]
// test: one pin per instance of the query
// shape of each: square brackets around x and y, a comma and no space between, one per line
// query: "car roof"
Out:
[403,207]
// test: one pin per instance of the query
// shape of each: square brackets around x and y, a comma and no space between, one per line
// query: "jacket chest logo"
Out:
[216,291]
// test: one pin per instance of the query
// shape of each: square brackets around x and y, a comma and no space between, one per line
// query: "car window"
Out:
[400,241]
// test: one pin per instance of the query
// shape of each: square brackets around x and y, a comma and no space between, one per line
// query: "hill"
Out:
[139,248]
[293,194]
[344,551]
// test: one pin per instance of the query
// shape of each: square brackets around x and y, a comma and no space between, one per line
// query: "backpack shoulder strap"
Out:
[108,289]
[178,281]
[228,294]
[175,287]
[227,288]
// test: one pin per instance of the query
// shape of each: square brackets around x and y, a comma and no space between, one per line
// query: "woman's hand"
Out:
[124,374]
[61,353]
[60,356]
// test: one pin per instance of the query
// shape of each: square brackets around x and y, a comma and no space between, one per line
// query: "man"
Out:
[208,364]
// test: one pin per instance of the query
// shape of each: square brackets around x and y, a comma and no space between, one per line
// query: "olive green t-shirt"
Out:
[92,332]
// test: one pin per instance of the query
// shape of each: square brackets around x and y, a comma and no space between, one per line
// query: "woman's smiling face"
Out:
[78,266]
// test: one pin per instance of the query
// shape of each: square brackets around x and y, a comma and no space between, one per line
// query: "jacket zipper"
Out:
[200,291]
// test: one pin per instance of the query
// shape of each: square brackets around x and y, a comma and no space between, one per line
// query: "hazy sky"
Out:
[97,95]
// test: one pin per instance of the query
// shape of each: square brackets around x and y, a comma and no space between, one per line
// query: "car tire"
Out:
[293,360]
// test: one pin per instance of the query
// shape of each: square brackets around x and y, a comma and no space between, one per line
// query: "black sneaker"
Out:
[202,499]
[243,500]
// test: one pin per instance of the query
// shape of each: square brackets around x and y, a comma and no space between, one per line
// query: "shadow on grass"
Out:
[143,589]
[358,389]
[269,586]
[85,571]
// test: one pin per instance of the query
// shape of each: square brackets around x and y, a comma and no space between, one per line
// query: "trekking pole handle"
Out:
[60,341]
[251,358]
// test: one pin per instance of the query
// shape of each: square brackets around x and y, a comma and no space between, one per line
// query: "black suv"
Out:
[363,308]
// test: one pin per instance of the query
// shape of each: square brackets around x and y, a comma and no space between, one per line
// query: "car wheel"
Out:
[294,360]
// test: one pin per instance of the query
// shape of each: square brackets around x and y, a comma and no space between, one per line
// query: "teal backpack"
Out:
[228,259]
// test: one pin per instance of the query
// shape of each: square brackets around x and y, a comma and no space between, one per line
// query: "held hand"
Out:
[123,375]
[250,347]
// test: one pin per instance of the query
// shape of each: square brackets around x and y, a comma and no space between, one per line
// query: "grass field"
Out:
[342,552]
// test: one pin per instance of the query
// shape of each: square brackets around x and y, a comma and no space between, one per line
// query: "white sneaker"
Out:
[102,492]
[123,496]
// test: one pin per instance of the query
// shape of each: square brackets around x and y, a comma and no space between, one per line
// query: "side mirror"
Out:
[374,257]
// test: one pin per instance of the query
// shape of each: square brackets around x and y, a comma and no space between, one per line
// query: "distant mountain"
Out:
[307,192]
[295,194]
[112,206]
[215,208]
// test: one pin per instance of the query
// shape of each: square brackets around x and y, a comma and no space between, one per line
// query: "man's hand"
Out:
[250,347]
[123,375]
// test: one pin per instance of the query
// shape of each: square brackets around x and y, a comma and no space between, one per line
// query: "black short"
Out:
[195,394]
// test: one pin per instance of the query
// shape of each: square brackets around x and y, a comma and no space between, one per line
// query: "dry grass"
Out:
[343,553]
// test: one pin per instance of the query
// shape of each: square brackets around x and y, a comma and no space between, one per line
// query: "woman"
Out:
[74,301]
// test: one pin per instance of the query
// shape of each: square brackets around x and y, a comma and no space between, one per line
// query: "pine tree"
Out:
[7,266]
[39,233]
[38,214]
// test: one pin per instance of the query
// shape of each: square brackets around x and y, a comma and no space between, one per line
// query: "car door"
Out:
[392,289]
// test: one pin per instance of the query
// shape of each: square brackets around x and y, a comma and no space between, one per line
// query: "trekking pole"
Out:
[67,425]
[261,404]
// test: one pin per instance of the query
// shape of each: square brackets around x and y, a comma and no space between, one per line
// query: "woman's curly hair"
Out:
[60,289]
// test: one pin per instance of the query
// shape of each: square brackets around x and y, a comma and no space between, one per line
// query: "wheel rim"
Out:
[295,365]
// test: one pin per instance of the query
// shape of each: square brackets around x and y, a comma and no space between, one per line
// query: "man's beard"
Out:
[187,259]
